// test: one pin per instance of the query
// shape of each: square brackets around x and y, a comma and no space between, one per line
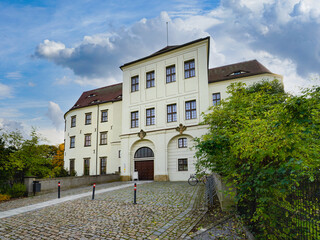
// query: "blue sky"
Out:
[52,51]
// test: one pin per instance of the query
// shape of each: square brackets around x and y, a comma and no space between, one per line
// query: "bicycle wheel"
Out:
[204,180]
[192,181]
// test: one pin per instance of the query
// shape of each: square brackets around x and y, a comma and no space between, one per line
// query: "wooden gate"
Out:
[145,169]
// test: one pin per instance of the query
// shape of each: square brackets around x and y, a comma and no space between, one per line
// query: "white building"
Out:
[148,122]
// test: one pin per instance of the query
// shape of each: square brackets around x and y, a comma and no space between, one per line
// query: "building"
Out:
[147,123]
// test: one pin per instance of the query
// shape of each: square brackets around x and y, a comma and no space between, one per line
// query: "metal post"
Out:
[59,189]
[93,190]
[135,194]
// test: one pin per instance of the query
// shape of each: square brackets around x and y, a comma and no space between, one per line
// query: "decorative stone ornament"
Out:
[181,128]
[142,134]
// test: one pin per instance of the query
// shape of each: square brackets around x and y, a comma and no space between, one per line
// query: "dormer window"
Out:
[95,101]
[237,73]
[92,95]
[76,105]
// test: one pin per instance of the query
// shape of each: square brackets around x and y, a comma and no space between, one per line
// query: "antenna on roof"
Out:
[167,36]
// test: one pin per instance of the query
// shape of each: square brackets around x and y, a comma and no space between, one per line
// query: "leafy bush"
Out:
[17,190]
[264,141]
[4,197]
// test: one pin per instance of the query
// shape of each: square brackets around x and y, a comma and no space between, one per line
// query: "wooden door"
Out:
[145,169]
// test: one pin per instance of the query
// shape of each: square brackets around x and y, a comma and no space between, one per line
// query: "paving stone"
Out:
[165,210]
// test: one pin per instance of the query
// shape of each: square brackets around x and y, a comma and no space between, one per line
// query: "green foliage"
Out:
[263,140]
[17,190]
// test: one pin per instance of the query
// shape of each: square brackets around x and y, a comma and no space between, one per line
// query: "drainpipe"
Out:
[97,141]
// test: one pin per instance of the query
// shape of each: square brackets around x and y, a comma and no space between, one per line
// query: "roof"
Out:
[166,49]
[110,93]
[237,70]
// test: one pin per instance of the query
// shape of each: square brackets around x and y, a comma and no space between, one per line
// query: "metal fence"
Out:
[210,190]
[299,216]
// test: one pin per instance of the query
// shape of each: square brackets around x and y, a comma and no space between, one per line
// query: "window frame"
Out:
[182,142]
[191,110]
[135,83]
[86,171]
[88,120]
[172,114]
[217,100]
[104,118]
[103,167]
[150,81]
[106,138]
[87,142]
[71,169]
[73,121]
[134,120]
[183,167]
[151,119]
[171,76]
[190,71]
[73,143]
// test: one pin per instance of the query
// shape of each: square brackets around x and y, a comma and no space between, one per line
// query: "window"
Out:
[150,117]
[88,119]
[73,121]
[86,166]
[150,79]
[71,167]
[171,74]
[216,99]
[103,138]
[135,84]
[191,111]
[183,164]
[171,113]
[119,154]
[87,140]
[182,142]
[189,70]
[104,116]
[72,142]
[134,119]
[103,165]
[143,152]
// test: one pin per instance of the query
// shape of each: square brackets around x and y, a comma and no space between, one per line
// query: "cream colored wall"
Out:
[221,87]
[113,142]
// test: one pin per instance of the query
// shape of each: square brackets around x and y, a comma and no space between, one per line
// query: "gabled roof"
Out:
[110,93]
[166,49]
[237,70]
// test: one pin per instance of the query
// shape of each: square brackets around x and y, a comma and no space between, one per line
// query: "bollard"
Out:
[93,190]
[135,194]
[59,189]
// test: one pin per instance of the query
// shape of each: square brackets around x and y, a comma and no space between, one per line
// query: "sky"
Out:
[51,51]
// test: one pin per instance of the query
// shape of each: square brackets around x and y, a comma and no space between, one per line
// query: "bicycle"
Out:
[193,180]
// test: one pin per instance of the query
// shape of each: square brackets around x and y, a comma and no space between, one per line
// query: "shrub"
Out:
[4,197]
[17,190]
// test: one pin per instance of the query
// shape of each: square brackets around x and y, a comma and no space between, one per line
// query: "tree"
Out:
[264,141]
[58,162]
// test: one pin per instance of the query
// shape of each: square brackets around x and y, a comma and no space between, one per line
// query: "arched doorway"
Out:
[144,163]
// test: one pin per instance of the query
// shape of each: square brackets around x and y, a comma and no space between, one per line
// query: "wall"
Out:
[51,184]
[225,193]
[95,151]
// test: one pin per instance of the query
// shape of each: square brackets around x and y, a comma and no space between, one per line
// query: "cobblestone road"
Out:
[164,210]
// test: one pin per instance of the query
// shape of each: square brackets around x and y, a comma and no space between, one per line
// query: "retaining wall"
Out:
[51,184]
[225,193]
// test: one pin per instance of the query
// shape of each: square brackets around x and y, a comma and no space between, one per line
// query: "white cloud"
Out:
[55,115]
[283,35]
[5,91]
[52,135]
[14,75]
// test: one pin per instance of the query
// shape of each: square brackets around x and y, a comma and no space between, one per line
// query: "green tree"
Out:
[264,141]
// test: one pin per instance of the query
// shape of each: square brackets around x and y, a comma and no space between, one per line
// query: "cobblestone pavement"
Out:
[164,210]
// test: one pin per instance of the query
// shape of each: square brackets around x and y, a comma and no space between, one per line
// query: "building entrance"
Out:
[144,163]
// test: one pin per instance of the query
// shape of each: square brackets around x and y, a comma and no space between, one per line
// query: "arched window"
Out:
[143,152]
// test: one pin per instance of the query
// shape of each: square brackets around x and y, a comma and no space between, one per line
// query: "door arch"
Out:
[144,163]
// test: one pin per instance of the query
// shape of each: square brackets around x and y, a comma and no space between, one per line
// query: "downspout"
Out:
[97,141]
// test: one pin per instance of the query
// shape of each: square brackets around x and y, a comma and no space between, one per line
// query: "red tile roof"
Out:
[237,70]
[110,93]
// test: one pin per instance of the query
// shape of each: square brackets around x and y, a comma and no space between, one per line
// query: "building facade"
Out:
[153,116]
